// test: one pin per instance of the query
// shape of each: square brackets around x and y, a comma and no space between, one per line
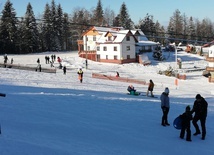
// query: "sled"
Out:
[177,123]
[3,95]
[134,93]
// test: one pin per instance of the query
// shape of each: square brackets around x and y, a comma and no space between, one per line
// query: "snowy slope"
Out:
[46,114]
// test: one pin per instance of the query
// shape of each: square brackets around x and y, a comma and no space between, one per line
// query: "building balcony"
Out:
[210,69]
[210,59]
[80,42]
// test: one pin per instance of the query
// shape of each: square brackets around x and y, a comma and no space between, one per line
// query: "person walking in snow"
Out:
[86,63]
[64,70]
[117,74]
[5,58]
[186,118]
[165,106]
[150,88]
[80,73]
[38,61]
[200,110]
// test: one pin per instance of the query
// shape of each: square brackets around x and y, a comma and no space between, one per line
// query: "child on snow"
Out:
[186,119]
[132,90]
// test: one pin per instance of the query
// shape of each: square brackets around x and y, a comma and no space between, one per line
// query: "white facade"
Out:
[211,55]
[111,44]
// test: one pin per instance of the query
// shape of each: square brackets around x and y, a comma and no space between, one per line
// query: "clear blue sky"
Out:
[162,10]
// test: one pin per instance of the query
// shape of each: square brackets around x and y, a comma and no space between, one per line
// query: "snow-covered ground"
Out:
[55,114]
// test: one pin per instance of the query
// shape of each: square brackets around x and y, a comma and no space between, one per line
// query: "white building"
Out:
[210,66]
[114,45]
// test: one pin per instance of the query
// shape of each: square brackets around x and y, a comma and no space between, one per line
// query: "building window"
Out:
[86,38]
[128,48]
[88,48]
[106,57]
[127,38]
[104,48]
[98,48]
[115,57]
[115,48]
[128,56]
[109,38]
[94,38]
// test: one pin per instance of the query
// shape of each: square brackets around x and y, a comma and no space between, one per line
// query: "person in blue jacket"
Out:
[165,106]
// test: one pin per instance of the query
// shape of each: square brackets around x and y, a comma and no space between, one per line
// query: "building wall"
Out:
[90,44]
[131,52]
[109,51]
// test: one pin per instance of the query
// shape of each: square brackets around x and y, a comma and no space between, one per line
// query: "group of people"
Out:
[132,90]
[199,110]
[6,60]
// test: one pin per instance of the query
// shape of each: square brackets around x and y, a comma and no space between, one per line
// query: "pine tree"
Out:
[47,29]
[20,42]
[175,27]
[54,31]
[124,19]
[185,27]
[66,34]
[191,29]
[8,29]
[98,14]
[59,27]
[147,25]
[159,33]
[30,38]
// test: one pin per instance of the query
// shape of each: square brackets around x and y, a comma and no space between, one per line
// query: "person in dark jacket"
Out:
[64,70]
[165,106]
[200,110]
[131,88]
[150,88]
[186,119]
[117,74]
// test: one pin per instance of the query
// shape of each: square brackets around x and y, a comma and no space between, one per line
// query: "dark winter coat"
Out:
[200,107]
[151,86]
[131,88]
[186,119]
[80,73]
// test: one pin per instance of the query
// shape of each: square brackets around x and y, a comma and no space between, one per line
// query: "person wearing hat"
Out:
[80,73]
[200,110]
[165,105]
[186,117]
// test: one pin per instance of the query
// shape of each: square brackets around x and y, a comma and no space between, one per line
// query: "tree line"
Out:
[56,30]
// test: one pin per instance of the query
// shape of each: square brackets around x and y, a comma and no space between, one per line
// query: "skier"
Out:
[150,88]
[186,117]
[80,73]
[165,106]
[200,110]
